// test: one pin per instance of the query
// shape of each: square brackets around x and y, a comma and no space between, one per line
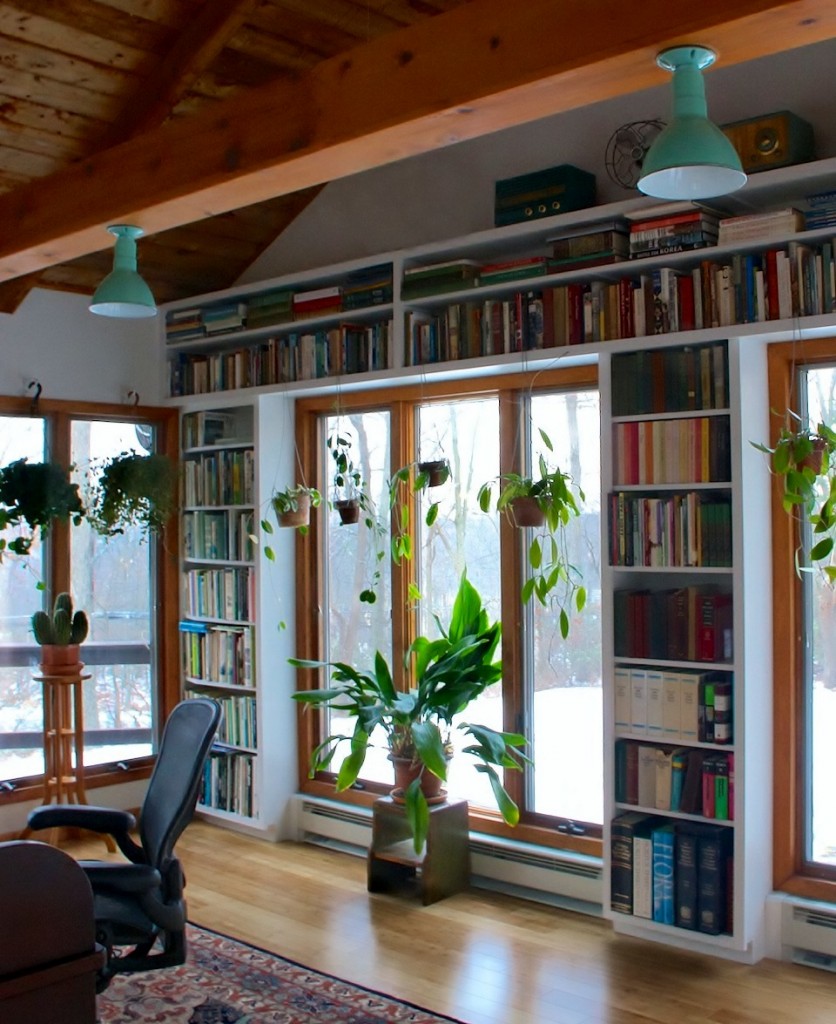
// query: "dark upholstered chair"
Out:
[140,911]
[49,959]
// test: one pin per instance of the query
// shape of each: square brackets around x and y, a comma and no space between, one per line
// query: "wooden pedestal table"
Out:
[64,740]
[443,866]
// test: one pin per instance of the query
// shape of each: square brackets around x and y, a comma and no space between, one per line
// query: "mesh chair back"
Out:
[178,773]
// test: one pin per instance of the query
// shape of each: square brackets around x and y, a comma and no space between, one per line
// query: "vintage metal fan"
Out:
[626,150]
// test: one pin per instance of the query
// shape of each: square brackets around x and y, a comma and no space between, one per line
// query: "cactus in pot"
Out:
[60,633]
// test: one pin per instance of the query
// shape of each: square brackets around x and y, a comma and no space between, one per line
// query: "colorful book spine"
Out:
[663,840]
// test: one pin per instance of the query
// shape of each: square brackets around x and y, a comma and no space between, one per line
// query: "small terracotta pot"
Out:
[526,512]
[406,770]
[60,660]
[815,459]
[348,510]
[438,472]
[302,515]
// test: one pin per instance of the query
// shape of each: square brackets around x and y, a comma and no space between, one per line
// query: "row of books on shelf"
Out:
[692,529]
[681,379]
[366,287]
[220,593]
[217,654]
[208,427]
[238,726]
[685,450]
[343,349]
[225,534]
[683,624]
[228,782]
[679,874]
[674,705]
[685,780]
[226,477]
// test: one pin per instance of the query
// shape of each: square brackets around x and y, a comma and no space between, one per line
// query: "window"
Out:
[123,584]
[802,377]
[551,689]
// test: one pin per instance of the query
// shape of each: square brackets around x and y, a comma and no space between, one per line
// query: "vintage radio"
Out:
[772,140]
[543,194]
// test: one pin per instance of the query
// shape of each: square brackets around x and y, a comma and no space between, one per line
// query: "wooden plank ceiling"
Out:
[79,76]
[163,107]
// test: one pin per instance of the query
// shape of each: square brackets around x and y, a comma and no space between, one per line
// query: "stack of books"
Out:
[515,270]
[273,307]
[184,325]
[434,278]
[317,302]
[370,286]
[677,229]
[591,246]
[229,316]
[822,212]
[761,227]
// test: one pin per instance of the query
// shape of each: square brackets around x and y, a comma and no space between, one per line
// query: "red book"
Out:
[661,222]
[685,297]
[713,639]
[626,327]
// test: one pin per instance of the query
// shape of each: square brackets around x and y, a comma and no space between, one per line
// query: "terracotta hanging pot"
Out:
[438,472]
[301,516]
[348,510]
[526,512]
[815,459]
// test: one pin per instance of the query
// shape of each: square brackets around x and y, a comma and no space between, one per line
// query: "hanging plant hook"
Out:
[36,384]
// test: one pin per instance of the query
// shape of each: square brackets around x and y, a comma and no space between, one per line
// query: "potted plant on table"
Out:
[60,635]
[547,503]
[449,673]
[803,456]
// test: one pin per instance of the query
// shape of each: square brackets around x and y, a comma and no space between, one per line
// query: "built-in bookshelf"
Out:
[680,646]
[217,627]
[502,295]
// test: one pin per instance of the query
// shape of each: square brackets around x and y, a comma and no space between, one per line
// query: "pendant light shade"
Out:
[123,293]
[691,158]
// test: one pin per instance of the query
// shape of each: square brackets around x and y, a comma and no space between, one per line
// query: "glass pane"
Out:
[21,706]
[820,666]
[564,676]
[467,434]
[357,560]
[111,581]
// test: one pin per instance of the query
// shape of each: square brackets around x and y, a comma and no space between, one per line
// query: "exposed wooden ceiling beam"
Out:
[485,66]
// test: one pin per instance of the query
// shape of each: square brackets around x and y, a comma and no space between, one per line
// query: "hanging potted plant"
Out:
[449,673]
[134,489]
[413,478]
[59,636]
[436,472]
[803,457]
[349,492]
[292,506]
[32,495]
[546,503]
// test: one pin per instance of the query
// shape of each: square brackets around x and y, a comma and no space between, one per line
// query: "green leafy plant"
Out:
[133,489]
[448,674]
[292,505]
[553,578]
[413,478]
[32,495]
[803,457]
[63,627]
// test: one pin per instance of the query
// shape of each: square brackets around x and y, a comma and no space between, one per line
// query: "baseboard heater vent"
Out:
[558,877]
[808,934]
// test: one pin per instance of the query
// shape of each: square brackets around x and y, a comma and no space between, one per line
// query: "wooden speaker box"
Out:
[772,140]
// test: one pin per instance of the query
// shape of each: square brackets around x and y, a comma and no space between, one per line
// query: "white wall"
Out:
[451,192]
[53,338]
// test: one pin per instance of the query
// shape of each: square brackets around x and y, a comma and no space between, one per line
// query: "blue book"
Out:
[663,841]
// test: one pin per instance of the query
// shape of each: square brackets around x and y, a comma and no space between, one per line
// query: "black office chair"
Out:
[139,907]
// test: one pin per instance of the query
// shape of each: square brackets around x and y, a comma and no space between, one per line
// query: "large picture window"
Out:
[125,583]
[551,685]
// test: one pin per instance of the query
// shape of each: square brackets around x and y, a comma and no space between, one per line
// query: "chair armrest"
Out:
[117,876]
[95,819]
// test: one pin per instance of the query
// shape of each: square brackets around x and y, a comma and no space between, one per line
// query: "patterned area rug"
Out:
[227,982]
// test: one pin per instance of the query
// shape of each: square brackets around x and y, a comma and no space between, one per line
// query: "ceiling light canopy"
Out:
[691,158]
[123,293]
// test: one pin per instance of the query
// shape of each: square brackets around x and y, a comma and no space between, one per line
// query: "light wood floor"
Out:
[481,957]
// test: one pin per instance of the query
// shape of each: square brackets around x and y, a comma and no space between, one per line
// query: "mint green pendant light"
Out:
[123,293]
[691,158]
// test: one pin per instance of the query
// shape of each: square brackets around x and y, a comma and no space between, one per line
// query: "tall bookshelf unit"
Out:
[262,364]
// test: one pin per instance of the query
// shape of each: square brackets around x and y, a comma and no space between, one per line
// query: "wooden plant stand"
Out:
[443,866]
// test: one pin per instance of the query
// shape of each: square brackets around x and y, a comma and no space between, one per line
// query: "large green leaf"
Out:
[430,748]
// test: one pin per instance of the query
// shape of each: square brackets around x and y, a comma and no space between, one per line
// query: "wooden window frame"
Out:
[508,388]
[792,872]
[60,414]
